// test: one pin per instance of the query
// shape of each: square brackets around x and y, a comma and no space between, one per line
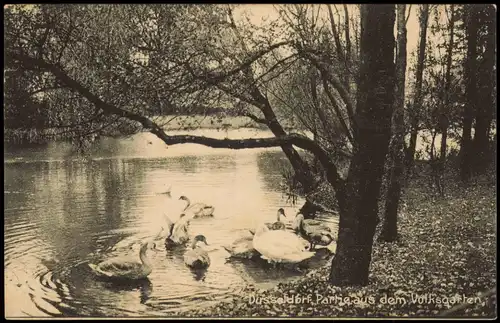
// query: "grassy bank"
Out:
[447,251]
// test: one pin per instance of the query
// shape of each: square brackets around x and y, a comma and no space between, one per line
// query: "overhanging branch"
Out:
[290,139]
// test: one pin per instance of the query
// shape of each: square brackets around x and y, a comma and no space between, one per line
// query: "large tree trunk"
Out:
[471,92]
[358,212]
[390,228]
[417,104]
[486,83]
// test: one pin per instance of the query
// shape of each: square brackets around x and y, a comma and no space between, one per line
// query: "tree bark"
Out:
[417,104]
[471,91]
[358,212]
[486,81]
[390,228]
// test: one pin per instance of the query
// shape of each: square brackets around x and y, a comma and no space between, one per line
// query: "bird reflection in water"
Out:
[199,274]
[144,286]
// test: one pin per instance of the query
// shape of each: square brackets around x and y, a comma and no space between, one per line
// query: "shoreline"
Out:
[168,123]
[404,281]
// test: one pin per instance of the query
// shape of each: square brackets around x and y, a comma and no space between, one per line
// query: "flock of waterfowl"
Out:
[269,241]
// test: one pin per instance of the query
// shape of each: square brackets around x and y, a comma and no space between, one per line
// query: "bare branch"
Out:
[221,76]
[336,37]
[409,12]
[347,35]
[235,29]
[276,65]
[255,118]
[325,68]
[336,107]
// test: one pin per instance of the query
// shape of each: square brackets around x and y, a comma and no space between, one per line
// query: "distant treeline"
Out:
[37,115]
[195,110]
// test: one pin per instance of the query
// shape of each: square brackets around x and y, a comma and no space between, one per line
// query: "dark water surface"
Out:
[63,212]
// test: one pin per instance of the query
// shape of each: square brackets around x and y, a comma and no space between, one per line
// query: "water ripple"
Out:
[62,214]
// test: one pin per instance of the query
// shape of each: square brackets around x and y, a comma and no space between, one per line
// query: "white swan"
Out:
[197,257]
[280,246]
[198,209]
[313,231]
[242,248]
[177,232]
[125,267]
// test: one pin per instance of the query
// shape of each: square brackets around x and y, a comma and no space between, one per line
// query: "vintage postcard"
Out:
[250,161]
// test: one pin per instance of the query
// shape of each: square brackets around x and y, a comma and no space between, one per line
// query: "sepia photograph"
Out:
[262,161]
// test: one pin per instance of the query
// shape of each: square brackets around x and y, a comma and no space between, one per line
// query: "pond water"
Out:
[63,212]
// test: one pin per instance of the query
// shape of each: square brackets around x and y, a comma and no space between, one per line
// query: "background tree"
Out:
[418,98]
[486,85]
[472,97]
[396,159]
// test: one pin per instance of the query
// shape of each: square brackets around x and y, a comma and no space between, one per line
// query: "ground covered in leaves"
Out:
[445,257]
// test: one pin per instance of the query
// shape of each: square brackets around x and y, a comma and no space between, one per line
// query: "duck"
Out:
[126,268]
[197,257]
[197,209]
[177,233]
[313,231]
[278,225]
[278,246]
[242,248]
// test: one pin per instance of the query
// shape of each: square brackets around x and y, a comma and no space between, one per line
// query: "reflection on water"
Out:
[64,212]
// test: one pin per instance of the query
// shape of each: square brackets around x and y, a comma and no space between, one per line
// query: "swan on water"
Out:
[280,246]
[126,268]
[278,225]
[242,248]
[197,209]
[178,232]
[197,257]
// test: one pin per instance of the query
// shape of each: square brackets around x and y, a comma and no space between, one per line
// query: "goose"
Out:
[313,231]
[197,257]
[126,268]
[242,248]
[198,209]
[280,246]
